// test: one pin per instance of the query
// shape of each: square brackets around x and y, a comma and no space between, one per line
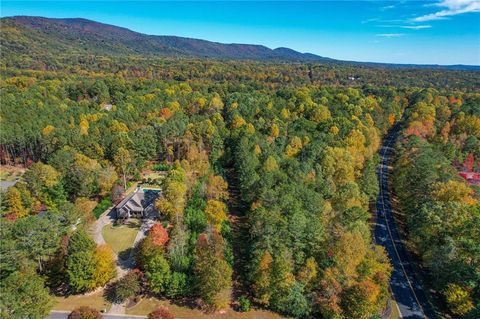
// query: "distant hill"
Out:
[37,36]
[82,34]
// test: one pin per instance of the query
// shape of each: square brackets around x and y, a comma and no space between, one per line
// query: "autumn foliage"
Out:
[160,313]
[159,235]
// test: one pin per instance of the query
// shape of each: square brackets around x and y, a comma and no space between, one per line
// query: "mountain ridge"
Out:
[80,35]
[128,41]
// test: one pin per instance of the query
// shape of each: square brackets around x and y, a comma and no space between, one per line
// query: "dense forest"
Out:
[440,210]
[270,172]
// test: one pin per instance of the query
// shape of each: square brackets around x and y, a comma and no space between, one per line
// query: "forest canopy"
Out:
[269,172]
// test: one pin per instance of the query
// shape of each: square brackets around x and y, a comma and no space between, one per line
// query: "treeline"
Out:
[441,208]
[254,73]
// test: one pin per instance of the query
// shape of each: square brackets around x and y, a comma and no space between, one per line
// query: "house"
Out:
[139,204]
[107,107]
[471,177]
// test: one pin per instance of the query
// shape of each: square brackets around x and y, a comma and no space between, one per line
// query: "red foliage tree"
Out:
[469,162]
[161,313]
[84,312]
[159,235]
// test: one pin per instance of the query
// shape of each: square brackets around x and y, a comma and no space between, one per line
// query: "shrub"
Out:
[128,286]
[161,167]
[177,285]
[160,313]
[243,304]
[84,312]
[101,207]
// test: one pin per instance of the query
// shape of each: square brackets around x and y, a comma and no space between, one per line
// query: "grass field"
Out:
[120,238]
[147,305]
[94,300]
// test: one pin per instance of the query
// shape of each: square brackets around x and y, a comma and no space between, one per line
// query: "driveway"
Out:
[123,266]
[106,218]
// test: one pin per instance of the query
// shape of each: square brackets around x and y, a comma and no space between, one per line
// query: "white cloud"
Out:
[452,8]
[390,35]
[388,7]
[416,27]
[369,20]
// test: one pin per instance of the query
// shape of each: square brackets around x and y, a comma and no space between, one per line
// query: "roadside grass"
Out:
[147,305]
[121,237]
[10,173]
[94,300]
[101,207]
[394,314]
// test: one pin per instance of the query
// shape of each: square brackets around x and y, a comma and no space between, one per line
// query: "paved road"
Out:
[407,292]
[64,315]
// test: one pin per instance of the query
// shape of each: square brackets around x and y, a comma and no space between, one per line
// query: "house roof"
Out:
[4,185]
[138,200]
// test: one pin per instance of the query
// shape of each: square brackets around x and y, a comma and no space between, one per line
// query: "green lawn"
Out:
[120,238]
[94,300]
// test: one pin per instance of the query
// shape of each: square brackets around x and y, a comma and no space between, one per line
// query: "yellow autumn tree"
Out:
[356,147]
[270,164]
[215,211]
[84,127]
[195,164]
[216,102]
[339,165]
[320,113]
[217,188]
[13,200]
[105,265]
[47,130]
[262,280]
[453,191]
[106,178]
[334,130]
[274,130]
[458,299]
[238,121]
[122,161]
[294,148]
[172,201]
[308,273]
[285,114]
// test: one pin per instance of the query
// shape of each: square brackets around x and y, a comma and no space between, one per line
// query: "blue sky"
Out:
[433,32]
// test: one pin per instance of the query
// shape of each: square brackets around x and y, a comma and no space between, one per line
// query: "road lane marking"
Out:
[393,242]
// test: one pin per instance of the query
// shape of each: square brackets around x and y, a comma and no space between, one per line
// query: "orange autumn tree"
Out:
[159,235]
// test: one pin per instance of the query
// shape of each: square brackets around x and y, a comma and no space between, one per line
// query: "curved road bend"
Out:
[406,290]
